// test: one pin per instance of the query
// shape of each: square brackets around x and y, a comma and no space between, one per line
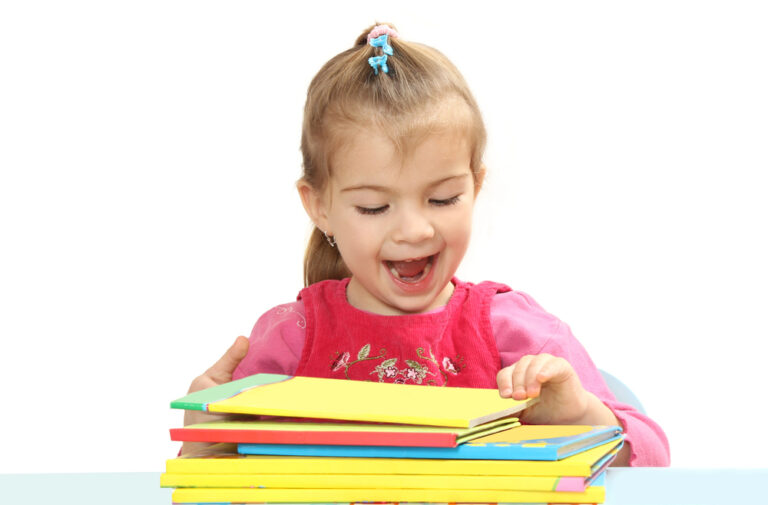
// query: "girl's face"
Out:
[402,224]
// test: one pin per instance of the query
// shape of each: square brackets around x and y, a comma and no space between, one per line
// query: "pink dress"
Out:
[322,335]
[449,347]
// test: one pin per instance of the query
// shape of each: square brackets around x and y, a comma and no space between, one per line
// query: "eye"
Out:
[448,201]
[368,211]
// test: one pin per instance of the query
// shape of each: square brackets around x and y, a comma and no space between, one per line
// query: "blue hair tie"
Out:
[379,61]
[381,41]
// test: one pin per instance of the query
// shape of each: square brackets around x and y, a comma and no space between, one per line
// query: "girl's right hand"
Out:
[219,373]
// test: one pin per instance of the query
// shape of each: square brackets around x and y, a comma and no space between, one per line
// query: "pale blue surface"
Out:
[680,486]
[83,489]
[624,486]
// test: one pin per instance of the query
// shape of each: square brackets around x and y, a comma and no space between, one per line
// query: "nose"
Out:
[412,225]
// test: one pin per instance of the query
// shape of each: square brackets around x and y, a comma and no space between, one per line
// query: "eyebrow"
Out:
[384,189]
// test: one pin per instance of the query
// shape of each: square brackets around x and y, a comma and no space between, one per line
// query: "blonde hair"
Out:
[346,95]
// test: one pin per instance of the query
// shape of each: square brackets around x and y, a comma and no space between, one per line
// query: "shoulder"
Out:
[284,317]
[276,341]
[519,322]
[325,287]
[517,307]
[484,287]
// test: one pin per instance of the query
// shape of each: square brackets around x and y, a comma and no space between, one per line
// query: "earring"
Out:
[330,239]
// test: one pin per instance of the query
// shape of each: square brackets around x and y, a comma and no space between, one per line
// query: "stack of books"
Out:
[337,441]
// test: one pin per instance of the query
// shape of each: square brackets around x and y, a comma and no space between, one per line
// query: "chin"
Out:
[421,303]
[413,308]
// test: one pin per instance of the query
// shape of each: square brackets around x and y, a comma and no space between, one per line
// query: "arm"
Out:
[541,357]
[275,346]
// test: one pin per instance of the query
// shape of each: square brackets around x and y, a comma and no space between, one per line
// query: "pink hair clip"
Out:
[380,30]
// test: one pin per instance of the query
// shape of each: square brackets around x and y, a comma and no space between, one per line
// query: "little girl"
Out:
[392,144]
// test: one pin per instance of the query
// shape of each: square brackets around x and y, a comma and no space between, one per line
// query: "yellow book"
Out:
[311,397]
[593,494]
[223,459]
[378,481]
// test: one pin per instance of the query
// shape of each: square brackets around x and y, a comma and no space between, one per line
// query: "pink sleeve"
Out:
[522,327]
[276,342]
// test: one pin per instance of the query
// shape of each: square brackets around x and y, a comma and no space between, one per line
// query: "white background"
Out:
[148,213]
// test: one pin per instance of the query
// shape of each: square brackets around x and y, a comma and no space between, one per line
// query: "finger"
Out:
[518,377]
[504,381]
[533,376]
[557,370]
[221,371]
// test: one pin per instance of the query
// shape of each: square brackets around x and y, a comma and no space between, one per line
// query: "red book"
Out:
[335,433]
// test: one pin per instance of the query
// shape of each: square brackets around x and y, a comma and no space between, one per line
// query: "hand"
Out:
[563,400]
[219,373]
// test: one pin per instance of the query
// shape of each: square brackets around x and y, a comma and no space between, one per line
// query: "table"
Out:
[624,486]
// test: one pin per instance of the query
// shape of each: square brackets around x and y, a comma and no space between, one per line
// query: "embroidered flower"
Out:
[416,372]
[386,369]
[340,362]
[448,366]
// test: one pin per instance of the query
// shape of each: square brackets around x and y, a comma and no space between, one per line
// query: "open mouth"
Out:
[411,270]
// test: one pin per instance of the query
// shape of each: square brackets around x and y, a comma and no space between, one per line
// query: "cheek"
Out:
[359,243]
[458,227]
[459,239]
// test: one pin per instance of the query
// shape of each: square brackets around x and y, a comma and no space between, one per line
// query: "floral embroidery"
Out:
[431,358]
[341,360]
[386,369]
[448,366]
[416,372]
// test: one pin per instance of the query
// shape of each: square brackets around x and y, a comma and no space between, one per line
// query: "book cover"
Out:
[335,433]
[223,459]
[282,395]
[529,442]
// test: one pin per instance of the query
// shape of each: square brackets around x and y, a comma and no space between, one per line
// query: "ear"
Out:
[479,176]
[315,204]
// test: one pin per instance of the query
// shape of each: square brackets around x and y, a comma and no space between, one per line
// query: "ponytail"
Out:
[321,261]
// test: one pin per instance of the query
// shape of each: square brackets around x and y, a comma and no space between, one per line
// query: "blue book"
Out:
[528,442]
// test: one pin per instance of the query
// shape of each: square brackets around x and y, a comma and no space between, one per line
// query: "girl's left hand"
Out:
[563,400]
